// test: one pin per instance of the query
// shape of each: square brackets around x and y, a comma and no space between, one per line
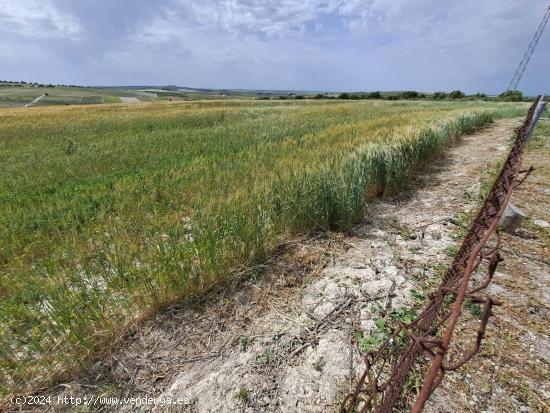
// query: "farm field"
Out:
[110,212]
[13,96]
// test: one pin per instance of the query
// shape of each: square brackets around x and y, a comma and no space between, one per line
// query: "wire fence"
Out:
[381,387]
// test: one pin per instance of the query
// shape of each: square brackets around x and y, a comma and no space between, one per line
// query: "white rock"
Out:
[541,223]
[511,219]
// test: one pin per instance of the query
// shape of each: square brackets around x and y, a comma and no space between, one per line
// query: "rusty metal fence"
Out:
[381,386]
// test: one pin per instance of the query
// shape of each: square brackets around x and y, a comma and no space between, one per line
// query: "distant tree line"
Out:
[510,96]
[22,83]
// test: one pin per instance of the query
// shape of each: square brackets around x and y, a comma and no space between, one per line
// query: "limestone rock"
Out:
[511,218]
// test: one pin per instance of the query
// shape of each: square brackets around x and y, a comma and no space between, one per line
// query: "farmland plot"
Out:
[108,213]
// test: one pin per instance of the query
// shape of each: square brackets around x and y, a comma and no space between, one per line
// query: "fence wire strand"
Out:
[380,387]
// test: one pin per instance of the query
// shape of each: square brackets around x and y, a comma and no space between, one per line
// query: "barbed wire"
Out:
[380,387]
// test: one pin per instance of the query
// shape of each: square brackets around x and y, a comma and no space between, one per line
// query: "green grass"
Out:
[112,99]
[110,212]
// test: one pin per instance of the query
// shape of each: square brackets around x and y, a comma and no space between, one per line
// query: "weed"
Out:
[397,256]
[451,250]
[407,234]
[474,308]
[405,315]
[70,148]
[319,364]
[383,328]
[243,395]
[524,394]
[266,356]
[243,343]
[418,296]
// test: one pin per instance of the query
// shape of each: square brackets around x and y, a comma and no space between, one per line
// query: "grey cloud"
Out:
[313,44]
[108,18]
[33,18]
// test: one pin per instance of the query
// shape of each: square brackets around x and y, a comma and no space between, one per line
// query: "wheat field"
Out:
[108,213]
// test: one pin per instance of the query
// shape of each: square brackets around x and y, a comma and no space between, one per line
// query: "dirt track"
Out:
[129,100]
[286,339]
[512,371]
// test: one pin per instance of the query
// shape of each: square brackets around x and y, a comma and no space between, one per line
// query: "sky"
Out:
[323,45]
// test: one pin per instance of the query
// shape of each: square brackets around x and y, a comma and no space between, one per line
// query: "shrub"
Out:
[511,96]
[373,95]
[343,96]
[439,95]
[456,94]
[410,94]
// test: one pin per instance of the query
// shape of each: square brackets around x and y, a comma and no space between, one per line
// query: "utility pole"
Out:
[523,64]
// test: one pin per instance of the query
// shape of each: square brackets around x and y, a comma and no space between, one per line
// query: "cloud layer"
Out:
[275,44]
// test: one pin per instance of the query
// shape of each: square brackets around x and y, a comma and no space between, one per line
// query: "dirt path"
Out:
[35,101]
[125,99]
[512,372]
[286,340]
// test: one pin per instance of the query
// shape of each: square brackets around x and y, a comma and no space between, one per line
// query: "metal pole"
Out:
[538,112]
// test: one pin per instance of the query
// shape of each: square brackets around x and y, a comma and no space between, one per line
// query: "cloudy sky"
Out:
[473,45]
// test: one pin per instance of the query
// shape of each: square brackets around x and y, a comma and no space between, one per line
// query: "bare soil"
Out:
[125,99]
[285,339]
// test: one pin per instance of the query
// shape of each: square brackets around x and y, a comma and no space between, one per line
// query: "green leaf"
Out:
[380,323]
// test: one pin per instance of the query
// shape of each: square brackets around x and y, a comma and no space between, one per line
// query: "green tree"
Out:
[410,94]
[511,96]
[456,94]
